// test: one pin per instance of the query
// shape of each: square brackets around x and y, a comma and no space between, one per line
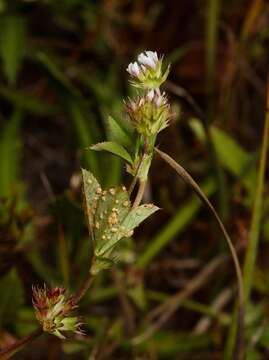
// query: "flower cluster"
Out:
[150,113]
[146,72]
[53,309]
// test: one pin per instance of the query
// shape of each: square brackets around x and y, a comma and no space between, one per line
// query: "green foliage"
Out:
[11,297]
[10,146]
[114,148]
[231,155]
[12,45]
[120,134]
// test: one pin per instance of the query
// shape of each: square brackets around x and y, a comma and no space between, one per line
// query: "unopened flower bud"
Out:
[52,310]
[149,114]
[147,73]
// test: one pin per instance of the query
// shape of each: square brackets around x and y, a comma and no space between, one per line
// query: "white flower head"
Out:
[146,72]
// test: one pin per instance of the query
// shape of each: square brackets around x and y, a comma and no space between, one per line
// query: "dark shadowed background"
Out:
[62,71]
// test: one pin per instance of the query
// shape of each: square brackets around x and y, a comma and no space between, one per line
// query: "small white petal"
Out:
[160,100]
[141,57]
[144,69]
[133,69]
[136,69]
[153,56]
[129,68]
[150,95]
[147,61]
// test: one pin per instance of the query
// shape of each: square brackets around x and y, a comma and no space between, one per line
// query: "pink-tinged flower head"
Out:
[150,113]
[146,72]
[52,310]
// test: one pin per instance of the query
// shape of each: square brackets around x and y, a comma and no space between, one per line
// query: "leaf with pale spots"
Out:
[112,208]
[110,218]
[138,215]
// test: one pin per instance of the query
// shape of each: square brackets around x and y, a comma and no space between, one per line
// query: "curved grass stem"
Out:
[238,353]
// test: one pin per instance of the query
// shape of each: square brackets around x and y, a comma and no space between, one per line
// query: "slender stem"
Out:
[18,345]
[140,193]
[126,305]
[83,289]
[239,348]
[132,185]
[134,181]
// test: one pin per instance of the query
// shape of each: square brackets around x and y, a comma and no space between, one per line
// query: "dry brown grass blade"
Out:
[168,308]
[186,177]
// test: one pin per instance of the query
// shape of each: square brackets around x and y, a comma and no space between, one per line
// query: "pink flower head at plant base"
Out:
[150,113]
[146,72]
[52,310]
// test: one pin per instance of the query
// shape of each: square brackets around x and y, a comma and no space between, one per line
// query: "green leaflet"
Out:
[118,134]
[114,148]
[113,206]
[138,215]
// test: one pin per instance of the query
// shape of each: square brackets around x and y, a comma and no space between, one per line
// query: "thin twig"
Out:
[218,304]
[18,345]
[125,303]
[134,181]
[140,193]
[84,288]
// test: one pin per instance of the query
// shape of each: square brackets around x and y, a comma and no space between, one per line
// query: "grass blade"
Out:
[251,254]
[195,187]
